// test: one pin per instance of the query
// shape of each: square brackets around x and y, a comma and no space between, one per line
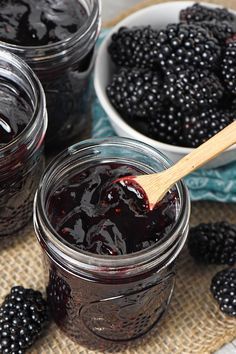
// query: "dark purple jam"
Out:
[64,70]
[36,23]
[15,113]
[94,214]
[19,173]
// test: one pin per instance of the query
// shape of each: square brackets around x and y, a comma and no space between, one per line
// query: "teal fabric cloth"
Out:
[215,184]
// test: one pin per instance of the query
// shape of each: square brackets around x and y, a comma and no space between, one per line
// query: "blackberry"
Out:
[223,288]
[199,13]
[166,126]
[135,93]
[220,30]
[213,243]
[23,315]
[191,89]
[134,47]
[200,127]
[187,44]
[229,67]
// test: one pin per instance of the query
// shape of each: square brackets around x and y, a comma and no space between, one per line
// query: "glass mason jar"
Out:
[99,300]
[21,161]
[64,69]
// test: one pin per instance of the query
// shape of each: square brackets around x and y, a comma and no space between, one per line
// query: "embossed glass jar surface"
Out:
[21,160]
[64,69]
[106,299]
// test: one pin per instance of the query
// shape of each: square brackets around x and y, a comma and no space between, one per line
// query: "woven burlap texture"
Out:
[193,324]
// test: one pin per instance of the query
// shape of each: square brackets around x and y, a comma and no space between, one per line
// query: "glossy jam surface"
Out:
[15,112]
[92,213]
[36,23]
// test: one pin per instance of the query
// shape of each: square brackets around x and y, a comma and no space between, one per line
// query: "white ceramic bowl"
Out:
[158,16]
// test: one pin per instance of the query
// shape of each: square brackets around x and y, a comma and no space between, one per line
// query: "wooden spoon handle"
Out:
[204,153]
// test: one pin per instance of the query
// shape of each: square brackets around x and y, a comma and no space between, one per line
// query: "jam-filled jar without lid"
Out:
[23,122]
[64,66]
[96,299]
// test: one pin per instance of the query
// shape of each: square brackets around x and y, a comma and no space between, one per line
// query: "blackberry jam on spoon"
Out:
[156,185]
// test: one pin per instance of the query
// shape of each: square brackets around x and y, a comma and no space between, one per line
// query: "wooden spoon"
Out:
[156,185]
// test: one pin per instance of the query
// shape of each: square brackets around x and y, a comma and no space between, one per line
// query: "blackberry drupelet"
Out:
[220,30]
[191,89]
[200,127]
[213,243]
[136,93]
[199,13]
[23,315]
[223,288]
[166,126]
[134,47]
[187,44]
[229,66]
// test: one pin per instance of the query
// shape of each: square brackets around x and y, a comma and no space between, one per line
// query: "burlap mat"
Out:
[193,324]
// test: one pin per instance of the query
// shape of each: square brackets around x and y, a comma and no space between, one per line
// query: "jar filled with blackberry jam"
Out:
[57,40]
[110,261]
[23,122]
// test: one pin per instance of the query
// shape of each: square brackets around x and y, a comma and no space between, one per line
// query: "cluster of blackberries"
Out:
[23,315]
[215,243]
[177,85]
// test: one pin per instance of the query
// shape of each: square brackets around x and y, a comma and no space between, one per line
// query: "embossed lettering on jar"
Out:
[57,39]
[107,290]
[23,121]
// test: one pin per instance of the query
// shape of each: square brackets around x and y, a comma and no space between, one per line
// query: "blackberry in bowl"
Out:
[190,100]
[110,261]
[23,122]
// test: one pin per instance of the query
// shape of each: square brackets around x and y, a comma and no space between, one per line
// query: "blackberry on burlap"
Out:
[213,243]
[223,288]
[23,315]
[134,47]
[136,93]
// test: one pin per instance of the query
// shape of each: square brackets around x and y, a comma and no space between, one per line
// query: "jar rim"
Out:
[62,45]
[105,261]
[38,96]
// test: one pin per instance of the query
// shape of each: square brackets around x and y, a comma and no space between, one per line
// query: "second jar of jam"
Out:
[57,39]
[23,122]
[110,261]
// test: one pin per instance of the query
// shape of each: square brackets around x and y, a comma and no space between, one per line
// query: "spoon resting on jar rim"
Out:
[156,185]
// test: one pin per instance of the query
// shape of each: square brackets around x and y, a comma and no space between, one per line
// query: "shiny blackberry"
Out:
[166,126]
[191,89]
[134,47]
[229,67]
[213,243]
[223,288]
[187,44]
[200,127]
[220,30]
[135,93]
[199,13]
[23,315]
